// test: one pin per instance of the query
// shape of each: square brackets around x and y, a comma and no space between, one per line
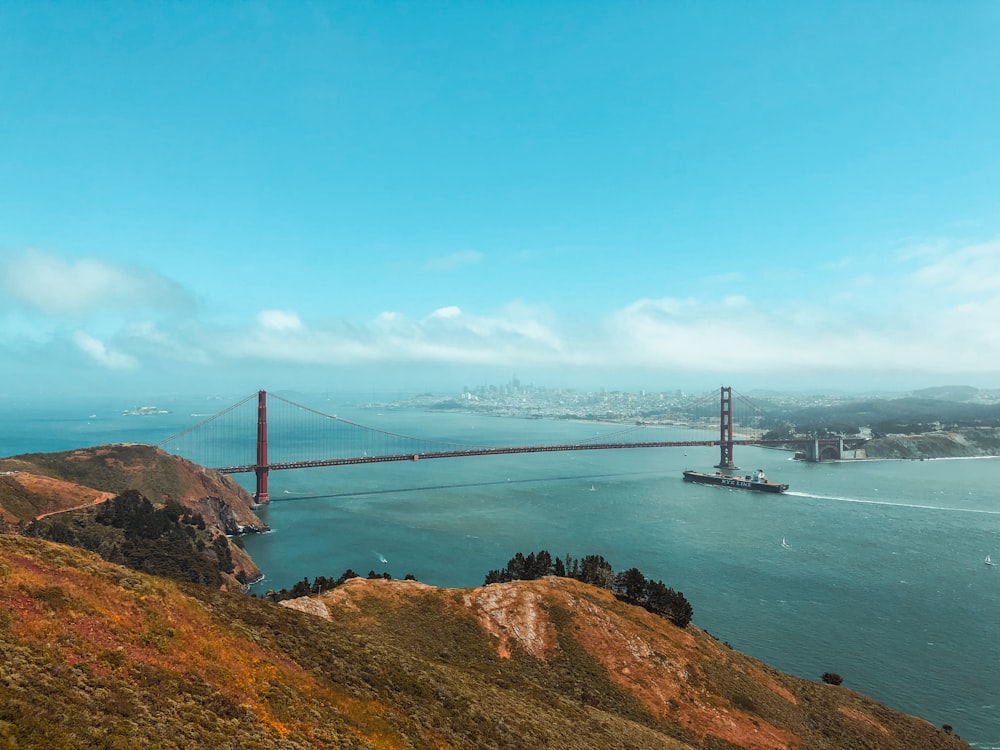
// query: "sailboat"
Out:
[593,488]
[989,561]
[784,543]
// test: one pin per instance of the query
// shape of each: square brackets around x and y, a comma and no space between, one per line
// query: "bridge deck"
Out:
[500,450]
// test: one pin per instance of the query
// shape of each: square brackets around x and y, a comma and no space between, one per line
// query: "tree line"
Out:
[129,530]
[629,585]
[323,583]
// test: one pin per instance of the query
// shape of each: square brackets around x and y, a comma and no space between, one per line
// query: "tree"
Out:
[302,588]
[631,584]
[543,565]
[516,567]
[559,569]
[596,571]
[832,678]
[497,576]
[663,600]
[345,576]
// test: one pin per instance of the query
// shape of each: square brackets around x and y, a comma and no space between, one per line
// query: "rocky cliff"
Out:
[967,443]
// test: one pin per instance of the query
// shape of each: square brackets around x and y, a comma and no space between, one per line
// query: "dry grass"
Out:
[100,656]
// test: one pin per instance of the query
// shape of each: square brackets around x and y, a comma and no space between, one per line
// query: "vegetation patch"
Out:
[98,656]
[130,531]
[630,585]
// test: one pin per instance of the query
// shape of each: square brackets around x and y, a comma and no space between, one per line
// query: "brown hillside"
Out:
[154,473]
[96,655]
[25,496]
[710,695]
[36,485]
[100,656]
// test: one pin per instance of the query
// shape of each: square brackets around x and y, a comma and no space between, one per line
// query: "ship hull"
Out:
[738,482]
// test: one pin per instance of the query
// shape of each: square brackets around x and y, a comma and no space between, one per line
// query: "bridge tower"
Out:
[262,468]
[726,429]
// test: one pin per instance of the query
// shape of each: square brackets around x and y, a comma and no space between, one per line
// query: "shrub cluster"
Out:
[305,588]
[128,530]
[323,583]
[630,586]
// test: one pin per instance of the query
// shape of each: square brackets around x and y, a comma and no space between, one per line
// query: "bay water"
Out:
[874,570]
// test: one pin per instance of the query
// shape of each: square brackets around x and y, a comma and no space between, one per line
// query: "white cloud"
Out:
[930,310]
[447,312]
[447,336]
[99,353]
[971,270]
[455,260]
[733,335]
[56,286]
[279,320]
[176,344]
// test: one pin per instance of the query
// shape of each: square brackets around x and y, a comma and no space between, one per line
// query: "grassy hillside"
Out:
[112,469]
[96,655]
[61,493]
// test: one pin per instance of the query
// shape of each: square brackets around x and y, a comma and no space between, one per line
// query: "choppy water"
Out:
[882,579]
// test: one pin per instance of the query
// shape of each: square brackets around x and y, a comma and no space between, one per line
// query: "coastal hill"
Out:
[68,488]
[98,655]
[963,443]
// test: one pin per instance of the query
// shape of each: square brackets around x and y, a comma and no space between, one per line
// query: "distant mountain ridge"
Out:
[957,393]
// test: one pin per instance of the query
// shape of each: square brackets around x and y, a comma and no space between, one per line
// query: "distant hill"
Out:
[96,655]
[897,415]
[967,443]
[958,393]
[37,486]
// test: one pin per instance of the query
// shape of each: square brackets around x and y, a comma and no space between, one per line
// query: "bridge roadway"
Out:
[496,451]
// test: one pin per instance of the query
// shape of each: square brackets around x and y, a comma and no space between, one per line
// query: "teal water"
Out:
[882,579]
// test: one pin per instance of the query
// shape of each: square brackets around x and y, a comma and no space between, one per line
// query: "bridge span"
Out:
[361,452]
[499,451]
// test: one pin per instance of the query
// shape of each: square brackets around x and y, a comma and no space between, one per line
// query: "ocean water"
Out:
[874,570]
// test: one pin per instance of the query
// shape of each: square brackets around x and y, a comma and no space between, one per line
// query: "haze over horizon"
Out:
[341,196]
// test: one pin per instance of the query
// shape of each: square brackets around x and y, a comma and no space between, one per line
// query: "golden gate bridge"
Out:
[289,435]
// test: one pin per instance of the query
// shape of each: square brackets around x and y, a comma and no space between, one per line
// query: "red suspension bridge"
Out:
[294,436]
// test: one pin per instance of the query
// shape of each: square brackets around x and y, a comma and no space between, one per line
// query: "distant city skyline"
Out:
[406,196]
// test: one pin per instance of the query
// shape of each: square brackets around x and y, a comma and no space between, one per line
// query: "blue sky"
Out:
[393,195]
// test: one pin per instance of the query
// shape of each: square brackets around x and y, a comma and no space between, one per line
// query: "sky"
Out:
[425,196]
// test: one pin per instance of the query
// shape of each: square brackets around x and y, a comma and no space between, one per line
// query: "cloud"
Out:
[279,320]
[734,335]
[59,287]
[928,311]
[447,312]
[185,344]
[455,260]
[447,336]
[99,353]
[970,270]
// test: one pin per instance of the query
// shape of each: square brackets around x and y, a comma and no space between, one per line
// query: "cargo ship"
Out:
[756,481]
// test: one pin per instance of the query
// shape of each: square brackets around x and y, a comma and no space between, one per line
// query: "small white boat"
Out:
[989,561]
[593,488]
[785,544]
